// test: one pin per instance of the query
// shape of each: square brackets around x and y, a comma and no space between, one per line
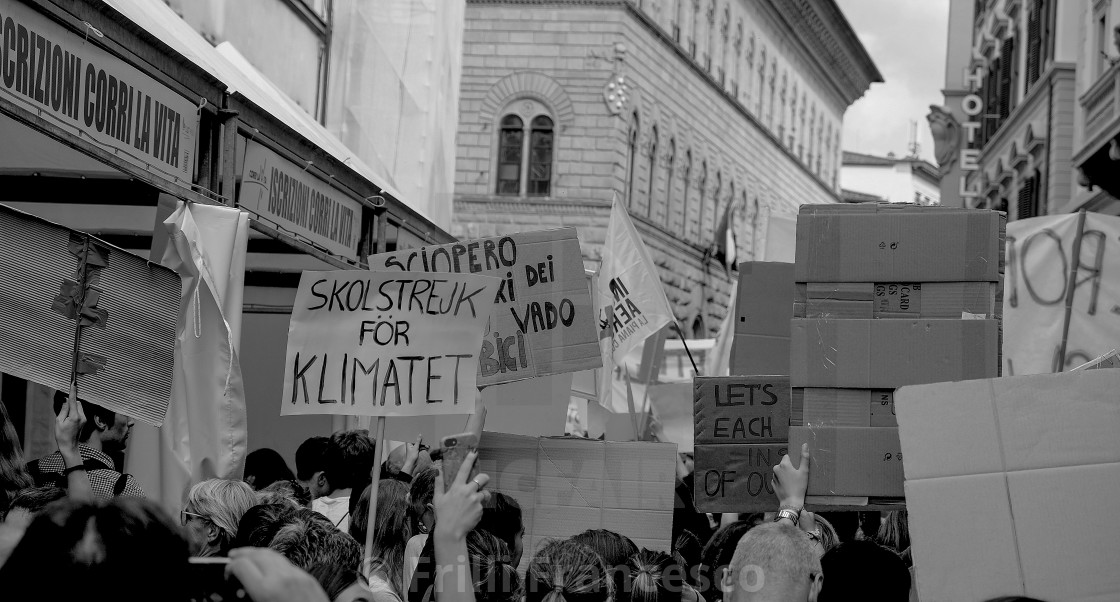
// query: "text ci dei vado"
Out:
[393,303]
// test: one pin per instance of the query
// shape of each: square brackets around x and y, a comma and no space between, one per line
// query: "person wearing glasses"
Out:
[212,512]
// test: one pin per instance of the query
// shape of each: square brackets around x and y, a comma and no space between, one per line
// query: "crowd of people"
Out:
[76,528]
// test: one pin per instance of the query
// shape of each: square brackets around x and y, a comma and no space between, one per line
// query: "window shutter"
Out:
[1034,46]
[1026,205]
[1006,67]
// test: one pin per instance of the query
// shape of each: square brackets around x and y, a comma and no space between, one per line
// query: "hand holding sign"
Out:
[790,483]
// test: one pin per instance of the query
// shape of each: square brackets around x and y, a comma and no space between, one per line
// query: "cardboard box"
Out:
[1012,483]
[882,354]
[876,244]
[736,477]
[852,461]
[843,407]
[764,305]
[899,300]
[741,409]
[882,408]
[568,485]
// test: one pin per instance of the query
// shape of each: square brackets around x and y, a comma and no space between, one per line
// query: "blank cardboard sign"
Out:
[1012,484]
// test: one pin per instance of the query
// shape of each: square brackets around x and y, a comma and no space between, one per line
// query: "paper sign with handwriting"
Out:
[385,344]
[542,318]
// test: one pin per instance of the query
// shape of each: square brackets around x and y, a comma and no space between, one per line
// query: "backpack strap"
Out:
[122,482]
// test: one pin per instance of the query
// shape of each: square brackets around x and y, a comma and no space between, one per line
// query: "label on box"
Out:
[896,297]
[736,478]
[882,408]
[741,409]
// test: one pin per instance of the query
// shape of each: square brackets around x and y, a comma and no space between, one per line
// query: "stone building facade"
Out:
[700,115]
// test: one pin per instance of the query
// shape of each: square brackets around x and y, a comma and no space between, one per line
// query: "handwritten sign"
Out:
[736,478]
[69,80]
[285,194]
[741,409]
[542,321]
[380,344]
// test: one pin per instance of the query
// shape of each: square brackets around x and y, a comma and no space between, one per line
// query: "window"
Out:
[1028,202]
[1101,62]
[1007,60]
[652,171]
[687,190]
[509,155]
[678,19]
[761,84]
[671,159]
[525,157]
[695,28]
[632,152]
[715,204]
[1034,44]
[703,185]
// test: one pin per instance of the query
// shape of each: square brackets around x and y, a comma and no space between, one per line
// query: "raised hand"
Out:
[459,509]
[791,483]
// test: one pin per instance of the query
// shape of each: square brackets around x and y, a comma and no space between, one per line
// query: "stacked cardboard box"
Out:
[886,296]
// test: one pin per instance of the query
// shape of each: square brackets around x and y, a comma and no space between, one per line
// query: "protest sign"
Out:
[741,409]
[542,320]
[736,477]
[53,278]
[385,344]
[1029,470]
[1040,262]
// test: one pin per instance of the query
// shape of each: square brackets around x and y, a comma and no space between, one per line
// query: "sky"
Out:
[906,39]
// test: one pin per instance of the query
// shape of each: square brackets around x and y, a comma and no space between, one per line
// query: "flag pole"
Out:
[375,477]
[1070,286]
[630,402]
[686,349]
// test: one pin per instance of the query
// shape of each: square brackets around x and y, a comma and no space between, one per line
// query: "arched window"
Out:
[699,331]
[652,171]
[793,119]
[540,157]
[687,191]
[632,151]
[760,91]
[715,202]
[510,144]
[703,186]
[678,19]
[671,159]
[692,41]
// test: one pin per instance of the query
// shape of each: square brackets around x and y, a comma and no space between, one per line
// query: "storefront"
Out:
[112,111]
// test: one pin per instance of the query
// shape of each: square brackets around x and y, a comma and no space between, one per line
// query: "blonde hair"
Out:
[566,571]
[223,502]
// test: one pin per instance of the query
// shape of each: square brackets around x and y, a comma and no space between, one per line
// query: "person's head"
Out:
[689,462]
[716,558]
[420,496]
[260,524]
[264,467]
[341,584]
[495,577]
[213,510]
[864,570]
[773,561]
[654,577]
[128,547]
[391,532]
[1015,598]
[614,549]
[308,538]
[501,516]
[29,503]
[894,531]
[311,465]
[567,571]
[285,492]
[104,429]
[687,549]
[825,537]
[348,460]
[13,473]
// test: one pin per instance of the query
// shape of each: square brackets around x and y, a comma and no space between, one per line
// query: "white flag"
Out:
[632,304]
[718,361]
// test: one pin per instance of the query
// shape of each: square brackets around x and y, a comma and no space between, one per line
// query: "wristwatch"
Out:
[793,514]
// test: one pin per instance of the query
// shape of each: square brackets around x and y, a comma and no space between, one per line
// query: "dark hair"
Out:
[335,580]
[307,538]
[13,474]
[73,545]
[349,458]
[717,555]
[390,534]
[494,578]
[35,499]
[654,577]
[864,570]
[687,549]
[567,571]
[421,493]
[614,549]
[260,524]
[266,466]
[501,516]
[1015,598]
[90,410]
[894,532]
[310,457]
[285,492]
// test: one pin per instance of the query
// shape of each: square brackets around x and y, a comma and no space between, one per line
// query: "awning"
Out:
[227,65]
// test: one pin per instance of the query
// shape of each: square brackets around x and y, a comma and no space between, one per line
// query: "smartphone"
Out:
[454,450]
[208,582]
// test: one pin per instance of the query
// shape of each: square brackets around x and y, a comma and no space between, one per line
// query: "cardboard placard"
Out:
[763,308]
[1031,471]
[543,321]
[852,461]
[385,344]
[131,307]
[736,477]
[741,409]
[568,485]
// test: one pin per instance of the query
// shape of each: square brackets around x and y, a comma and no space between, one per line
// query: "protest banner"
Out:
[1040,265]
[72,304]
[1029,470]
[385,344]
[542,321]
